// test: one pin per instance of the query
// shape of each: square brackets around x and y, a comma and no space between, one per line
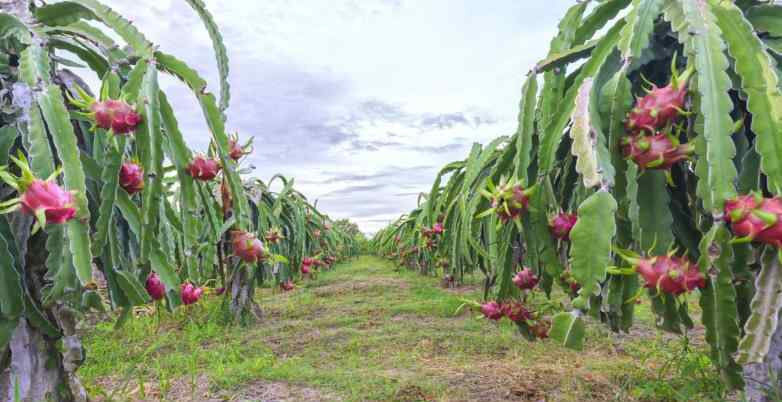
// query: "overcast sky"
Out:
[362,101]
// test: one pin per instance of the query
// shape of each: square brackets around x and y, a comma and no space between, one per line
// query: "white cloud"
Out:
[361,100]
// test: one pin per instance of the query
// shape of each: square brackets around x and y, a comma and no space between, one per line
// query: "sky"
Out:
[361,101]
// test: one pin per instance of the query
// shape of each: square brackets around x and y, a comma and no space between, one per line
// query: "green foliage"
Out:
[177,227]
[572,147]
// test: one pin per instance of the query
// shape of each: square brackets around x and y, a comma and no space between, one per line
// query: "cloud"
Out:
[352,190]
[360,101]
[442,121]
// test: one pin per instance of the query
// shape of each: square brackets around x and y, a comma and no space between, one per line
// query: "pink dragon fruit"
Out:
[755,218]
[115,115]
[247,247]
[659,151]
[438,228]
[202,168]
[48,197]
[659,106]
[306,264]
[492,310]
[235,150]
[155,287]
[670,274]
[525,279]
[516,312]
[190,294]
[131,177]
[561,224]
[287,286]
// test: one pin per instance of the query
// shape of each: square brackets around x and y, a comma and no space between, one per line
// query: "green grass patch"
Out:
[366,331]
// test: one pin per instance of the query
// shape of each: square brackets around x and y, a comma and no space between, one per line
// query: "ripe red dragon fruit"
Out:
[516,312]
[235,150]
[306,264]
[247,247]
[561,224]
[287,286]
[492,310]
[131,177]
[438,228]
[525,279]
[670,274]
[659,106]
[659,151]
[190,294]
[273,236]
[115,115]
[155,287]
[202,168]
[755,218]
[49,198]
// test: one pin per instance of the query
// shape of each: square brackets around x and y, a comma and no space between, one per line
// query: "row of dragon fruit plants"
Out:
[646,164]
[100,187]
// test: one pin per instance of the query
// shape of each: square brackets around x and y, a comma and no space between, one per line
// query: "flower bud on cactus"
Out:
[670,274]
[525,279]
[492,310]
[561,224]
[247,247]
[659,151]
[755,218]
[131,177]
[202,168]
[115,115]
[48,199]
[508,201]
[155,287]
[190,294]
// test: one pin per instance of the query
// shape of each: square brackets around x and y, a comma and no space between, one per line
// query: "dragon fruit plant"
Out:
[665,136]
[82,226]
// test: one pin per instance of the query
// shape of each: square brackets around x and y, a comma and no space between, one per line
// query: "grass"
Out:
[367,332]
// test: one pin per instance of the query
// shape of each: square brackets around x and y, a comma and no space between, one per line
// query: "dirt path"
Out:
[362,332]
